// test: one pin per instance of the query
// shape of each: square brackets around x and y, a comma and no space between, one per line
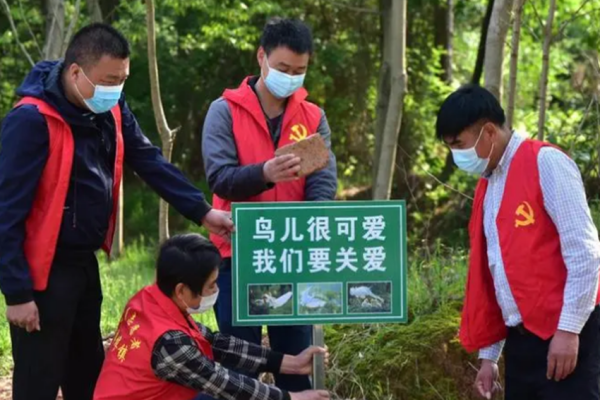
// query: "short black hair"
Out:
[189,259]
[464,108]
[286,32]
[93,41]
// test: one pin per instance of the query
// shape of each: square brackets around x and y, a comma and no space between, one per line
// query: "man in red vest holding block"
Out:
[242,130]
[532,286]
[62,150]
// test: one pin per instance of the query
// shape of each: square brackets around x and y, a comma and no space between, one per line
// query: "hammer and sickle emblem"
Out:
[299,132]
[525,212]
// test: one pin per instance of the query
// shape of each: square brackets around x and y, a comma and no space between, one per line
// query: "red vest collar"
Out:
[247,99]
[169,307]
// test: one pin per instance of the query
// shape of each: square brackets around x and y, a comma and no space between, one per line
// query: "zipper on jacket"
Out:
[75,194]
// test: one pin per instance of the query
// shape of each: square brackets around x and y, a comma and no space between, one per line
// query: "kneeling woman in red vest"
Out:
[160,352]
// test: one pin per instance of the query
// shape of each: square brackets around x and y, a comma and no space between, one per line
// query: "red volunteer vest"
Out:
[43,223]
[255,145]
[530,247]
[127,371]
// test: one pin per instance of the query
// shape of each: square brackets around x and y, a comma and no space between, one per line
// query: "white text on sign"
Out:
[318,229]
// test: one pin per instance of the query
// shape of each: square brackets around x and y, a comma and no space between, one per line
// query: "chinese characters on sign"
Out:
[319,262]
[320,259]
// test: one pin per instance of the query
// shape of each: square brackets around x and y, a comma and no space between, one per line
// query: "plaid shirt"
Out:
[177,359]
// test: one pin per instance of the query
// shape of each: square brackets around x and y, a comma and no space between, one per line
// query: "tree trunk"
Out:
[449,41]
[444,32]
[494,48]
[545,69]
[383,90]
[514,62]
[163,206]
[94,10]
[449,166]
[166,134]
[55,29]
[72,24]
[485,25]
[117,248]
[385,172]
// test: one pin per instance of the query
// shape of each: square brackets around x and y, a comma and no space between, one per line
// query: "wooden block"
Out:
[312,151]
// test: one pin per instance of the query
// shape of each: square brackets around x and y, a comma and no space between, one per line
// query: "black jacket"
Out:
[23,153]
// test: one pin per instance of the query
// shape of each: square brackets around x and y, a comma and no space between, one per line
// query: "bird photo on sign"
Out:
[271,299]
[369,297]
[320,298]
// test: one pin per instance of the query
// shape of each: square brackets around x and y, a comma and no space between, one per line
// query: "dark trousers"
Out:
[526,364]
[284,339]
[68,351]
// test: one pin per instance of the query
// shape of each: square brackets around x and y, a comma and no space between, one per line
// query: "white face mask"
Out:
[206,303]
[469,161]
[280,84]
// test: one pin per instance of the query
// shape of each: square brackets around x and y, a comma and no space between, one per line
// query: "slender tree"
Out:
[514,61]
[383,183]
[94,10]
[55,29]
[383,90]
[485,25]
[167,135]
[494,48]
[545,68]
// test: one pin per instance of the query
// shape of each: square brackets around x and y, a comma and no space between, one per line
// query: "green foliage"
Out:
[419,361]
[121,279]
[573,121]
[141,213]
[205,46]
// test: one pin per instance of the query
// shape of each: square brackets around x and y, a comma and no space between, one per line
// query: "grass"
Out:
[421,360]
[418,361]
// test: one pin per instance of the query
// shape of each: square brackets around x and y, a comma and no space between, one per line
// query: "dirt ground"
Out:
[6,381]
[6,389]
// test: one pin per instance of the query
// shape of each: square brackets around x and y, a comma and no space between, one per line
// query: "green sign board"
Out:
[319,263]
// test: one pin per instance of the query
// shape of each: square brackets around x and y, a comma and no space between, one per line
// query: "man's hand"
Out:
[487,379]
[562,355]
[282,169]
[302,364]
[24,316]
[219,222]
[310,395]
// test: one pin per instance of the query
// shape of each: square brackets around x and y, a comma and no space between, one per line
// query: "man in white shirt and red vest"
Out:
[532,286]
[241,132]
[62,150]
[160,353]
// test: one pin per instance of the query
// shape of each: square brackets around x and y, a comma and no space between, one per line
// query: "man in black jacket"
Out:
[55,332]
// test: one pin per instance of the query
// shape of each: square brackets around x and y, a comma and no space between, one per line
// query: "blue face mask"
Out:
[104,98]
[469,161]
[282,85]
